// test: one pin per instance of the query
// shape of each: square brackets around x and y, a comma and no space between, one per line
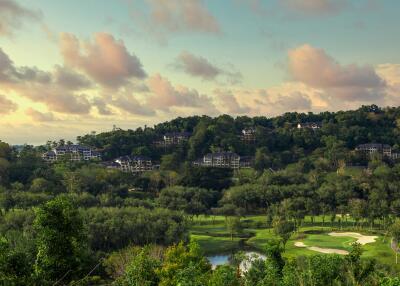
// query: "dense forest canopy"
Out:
[278,135]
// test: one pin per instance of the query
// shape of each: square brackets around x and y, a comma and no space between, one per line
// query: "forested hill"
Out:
[278,139]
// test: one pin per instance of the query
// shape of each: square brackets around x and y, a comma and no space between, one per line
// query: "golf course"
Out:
[215,238]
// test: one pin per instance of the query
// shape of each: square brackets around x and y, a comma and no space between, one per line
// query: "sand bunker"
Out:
[328,250]
[320,249]
[361,239]
[300,244]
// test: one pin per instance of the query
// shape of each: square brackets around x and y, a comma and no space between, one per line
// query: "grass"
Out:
[211,234]
[326,241]
[216,245]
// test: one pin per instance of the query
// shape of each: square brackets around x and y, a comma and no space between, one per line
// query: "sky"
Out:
[68,68]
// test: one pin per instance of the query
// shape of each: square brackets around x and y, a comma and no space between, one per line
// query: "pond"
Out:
[223,259]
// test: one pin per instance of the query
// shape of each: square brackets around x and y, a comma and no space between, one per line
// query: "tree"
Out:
[233,225]
[142,270]
[284,229]
[207,178]
[358,209]
[39,185]
[5,156]
[224,275]
[60,240]
[360,271]
[194,201]
[394,231]
[261,160]
[178,260]
[170,162]
[4,167]
[273,264]
[14,265]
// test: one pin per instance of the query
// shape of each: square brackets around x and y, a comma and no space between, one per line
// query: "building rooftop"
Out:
[72,148]
[221,154]
[373,145]
[132,158]
[177,134]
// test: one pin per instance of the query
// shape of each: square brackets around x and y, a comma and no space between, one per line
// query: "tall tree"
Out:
[394,230]
[60,241]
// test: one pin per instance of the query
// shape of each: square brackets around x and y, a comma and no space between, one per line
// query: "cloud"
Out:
[56,98]
[70,79]
[7,70]
[391,74]
[105,60]
[6,105]
[101,106]
[12,15]
[269,102]
[315,7]
[178,16]
[128,103]
[164,95]
[198,66]
[317,69]
[229,103]
[9,73]
[40,116]
[293,101]
[161,19]
[41,86]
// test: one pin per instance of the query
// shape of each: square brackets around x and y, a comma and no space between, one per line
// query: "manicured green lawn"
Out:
[216,245]
[327,241]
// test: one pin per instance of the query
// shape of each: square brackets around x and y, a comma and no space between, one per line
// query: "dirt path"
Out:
[361,239]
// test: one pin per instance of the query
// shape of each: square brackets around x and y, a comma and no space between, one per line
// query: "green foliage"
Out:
[387,281]
[142,270]
[170,161]
[207,178]
[262,161]
[184,265]
[115,228]
[224,275]
[60,241]
[14,265]
[233,225]
[284,229]
[193,201]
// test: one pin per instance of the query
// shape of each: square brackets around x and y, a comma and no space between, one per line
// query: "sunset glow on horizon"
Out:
[70,67]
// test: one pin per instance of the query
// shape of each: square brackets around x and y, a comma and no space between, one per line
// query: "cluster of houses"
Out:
[71,152]
[131,164]
[378,149]
[140,164]
[229,160]
[248,135]
[223,159]
[309,125]
[172,139]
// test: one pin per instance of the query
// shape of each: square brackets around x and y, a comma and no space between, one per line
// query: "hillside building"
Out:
[309,125]
[72,153]
[248,135]
[132,164]
[219,160]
